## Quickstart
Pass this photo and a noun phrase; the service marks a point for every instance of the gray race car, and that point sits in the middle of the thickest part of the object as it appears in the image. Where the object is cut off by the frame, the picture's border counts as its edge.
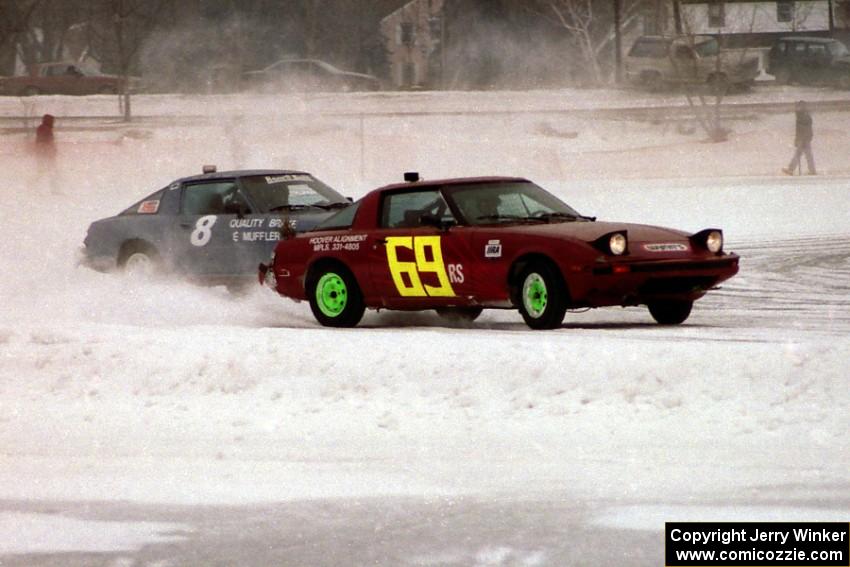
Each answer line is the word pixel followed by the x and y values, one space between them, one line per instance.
pixel 214 228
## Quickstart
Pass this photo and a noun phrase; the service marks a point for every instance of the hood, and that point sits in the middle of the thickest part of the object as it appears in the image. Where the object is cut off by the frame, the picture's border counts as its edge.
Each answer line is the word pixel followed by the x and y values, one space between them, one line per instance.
pixel 590 231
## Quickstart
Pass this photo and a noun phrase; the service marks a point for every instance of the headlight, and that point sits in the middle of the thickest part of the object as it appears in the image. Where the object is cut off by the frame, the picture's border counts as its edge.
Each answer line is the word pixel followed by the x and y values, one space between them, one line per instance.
pixel 714 241
pixel 617 243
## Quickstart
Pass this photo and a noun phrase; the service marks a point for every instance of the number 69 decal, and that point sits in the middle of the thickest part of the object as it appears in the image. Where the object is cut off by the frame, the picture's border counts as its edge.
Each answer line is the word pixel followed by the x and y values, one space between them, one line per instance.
pixel 429 259
pixel 203 230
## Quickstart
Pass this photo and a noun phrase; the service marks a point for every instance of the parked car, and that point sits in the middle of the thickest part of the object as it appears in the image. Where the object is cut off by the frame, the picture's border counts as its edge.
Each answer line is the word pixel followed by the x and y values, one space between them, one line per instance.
pixel 214 228
pixel 307 75
pixel 462 245
pixel 62 78
pixel 655 61
pixel 810 60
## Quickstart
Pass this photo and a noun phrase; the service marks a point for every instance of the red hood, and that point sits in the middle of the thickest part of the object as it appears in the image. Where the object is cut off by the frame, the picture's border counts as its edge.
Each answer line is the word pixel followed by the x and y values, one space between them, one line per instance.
pixel 590 231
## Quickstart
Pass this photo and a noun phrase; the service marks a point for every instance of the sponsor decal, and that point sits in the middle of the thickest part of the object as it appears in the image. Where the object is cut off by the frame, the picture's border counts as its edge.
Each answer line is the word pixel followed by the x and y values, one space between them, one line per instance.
pixel 148 207
pixel 666 247
pixel 493 249
pixel 272 179
pixel 337 243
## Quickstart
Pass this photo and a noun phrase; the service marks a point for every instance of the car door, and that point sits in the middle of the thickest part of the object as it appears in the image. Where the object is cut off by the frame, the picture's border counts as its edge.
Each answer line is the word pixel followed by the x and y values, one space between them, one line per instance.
pixel 414 264
pixel 202 240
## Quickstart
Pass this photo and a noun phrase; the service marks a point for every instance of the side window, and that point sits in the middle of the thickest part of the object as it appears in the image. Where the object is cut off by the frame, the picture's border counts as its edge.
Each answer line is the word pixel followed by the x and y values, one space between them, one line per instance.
pixel 784 10
pixel 684 52
pixel 817 50
pixel 799 49
pixel 405 210
pixel 216 198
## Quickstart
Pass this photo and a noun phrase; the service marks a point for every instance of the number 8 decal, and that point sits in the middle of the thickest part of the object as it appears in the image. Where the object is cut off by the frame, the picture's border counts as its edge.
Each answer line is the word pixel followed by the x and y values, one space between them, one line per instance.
pixel 203 230
pixel 423 247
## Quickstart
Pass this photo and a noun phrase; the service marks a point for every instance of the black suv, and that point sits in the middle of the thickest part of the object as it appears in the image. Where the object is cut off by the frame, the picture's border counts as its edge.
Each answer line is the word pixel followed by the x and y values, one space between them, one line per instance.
pixel 810 60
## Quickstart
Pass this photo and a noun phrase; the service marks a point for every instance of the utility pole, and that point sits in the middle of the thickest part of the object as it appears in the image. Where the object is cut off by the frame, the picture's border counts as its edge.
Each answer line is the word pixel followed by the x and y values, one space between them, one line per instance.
pixel 618 44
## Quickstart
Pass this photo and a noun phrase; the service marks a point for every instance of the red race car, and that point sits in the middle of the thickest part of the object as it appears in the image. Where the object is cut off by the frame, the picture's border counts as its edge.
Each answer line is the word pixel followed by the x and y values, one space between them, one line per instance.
pixel 462 245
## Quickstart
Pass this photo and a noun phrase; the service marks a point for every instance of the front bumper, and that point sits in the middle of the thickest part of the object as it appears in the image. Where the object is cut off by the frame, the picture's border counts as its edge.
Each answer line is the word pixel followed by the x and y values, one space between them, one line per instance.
pixel 635 283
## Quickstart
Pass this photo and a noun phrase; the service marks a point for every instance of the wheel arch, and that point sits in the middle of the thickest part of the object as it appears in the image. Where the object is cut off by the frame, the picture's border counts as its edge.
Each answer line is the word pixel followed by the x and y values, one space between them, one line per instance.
pixel 521 262
pixel 132 245
pixel 326 261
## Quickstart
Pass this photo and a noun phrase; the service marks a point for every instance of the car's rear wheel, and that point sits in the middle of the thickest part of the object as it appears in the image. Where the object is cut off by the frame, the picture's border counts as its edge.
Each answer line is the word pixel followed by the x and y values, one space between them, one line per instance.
pixel 652 81
pixel 335 297
pixel 139 261
pixel 542 296
pixel 459 314
pixel 670 312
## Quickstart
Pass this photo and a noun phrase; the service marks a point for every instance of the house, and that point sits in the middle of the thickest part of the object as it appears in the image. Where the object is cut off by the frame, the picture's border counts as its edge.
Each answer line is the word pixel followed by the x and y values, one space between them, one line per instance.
pixel 755 23
pixel 414 36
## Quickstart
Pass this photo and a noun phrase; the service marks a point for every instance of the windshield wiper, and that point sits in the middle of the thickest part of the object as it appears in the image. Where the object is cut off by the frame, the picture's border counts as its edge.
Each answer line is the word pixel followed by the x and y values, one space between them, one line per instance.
pixel 498 217
pixel 289 208
pixel 329 206
pixel 558 215
pixel 301 207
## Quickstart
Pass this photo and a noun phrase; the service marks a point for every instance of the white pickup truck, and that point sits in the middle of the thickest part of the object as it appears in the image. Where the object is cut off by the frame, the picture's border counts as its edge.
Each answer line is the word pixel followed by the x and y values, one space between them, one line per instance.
pixel 654 61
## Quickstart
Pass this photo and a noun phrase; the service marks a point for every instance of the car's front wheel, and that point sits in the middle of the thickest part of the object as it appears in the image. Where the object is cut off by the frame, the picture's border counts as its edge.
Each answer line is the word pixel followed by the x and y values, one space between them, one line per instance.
pixel 670 312
pixel 542 296
pixel 335 297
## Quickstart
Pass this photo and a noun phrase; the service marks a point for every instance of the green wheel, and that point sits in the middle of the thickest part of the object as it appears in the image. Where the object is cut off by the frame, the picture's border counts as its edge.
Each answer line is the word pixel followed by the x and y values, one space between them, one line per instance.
pixel 335 298
pixel 542 296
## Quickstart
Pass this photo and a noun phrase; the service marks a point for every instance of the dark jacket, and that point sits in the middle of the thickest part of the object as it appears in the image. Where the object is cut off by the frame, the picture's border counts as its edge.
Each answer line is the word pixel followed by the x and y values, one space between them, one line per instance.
pixel 45 144
pixel 804 132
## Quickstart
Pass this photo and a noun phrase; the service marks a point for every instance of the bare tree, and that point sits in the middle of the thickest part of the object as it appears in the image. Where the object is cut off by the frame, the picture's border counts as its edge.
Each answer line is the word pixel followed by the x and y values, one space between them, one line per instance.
pixel 118 29
pixel 591 25
pixel 706 98
pixel 15 18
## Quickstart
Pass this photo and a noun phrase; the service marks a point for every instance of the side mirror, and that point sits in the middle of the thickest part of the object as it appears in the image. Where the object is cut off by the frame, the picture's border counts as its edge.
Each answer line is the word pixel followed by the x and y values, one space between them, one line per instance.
pixel 429 219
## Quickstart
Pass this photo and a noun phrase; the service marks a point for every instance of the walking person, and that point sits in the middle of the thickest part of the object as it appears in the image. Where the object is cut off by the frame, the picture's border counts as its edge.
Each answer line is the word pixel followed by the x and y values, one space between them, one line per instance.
pixel 802 140
pixel 45 153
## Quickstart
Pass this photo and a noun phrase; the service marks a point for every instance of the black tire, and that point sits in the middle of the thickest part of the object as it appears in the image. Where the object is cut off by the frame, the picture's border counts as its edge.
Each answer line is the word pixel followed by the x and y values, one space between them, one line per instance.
pixel 670 312
pixel 460 314
pixel 542 295
pixel 653 82
pixel 335 298
pixel 139 260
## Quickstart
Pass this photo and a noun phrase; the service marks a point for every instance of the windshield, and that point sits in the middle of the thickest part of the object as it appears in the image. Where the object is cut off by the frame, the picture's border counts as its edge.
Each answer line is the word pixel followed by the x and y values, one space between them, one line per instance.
pixel 276 192
pixel 509 201
pixel 707 48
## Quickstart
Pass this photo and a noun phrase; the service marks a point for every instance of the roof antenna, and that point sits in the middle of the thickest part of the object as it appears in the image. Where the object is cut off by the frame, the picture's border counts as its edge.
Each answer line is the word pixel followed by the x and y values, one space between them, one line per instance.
pixel 411 176
pixel 209 169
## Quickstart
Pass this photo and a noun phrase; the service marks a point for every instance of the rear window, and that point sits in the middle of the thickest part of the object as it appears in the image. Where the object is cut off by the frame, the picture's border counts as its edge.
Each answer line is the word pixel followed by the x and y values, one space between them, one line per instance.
pixel 653 48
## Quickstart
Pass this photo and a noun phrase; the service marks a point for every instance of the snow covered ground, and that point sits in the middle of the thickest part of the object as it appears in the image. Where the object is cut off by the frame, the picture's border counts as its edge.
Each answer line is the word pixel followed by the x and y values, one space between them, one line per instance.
pixel 162 394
